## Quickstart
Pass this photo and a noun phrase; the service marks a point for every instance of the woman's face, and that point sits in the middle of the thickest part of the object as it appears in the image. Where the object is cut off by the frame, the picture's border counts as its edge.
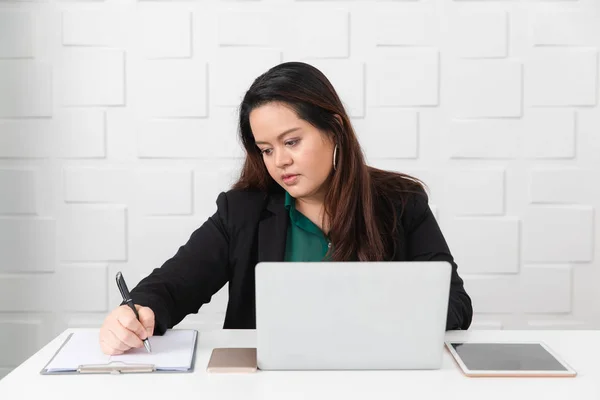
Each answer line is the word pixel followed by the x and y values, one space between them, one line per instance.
pixel 297 155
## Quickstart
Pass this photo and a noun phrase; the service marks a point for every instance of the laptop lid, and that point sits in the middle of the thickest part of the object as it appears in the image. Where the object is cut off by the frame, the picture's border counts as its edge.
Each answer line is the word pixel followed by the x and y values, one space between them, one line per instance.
pixel 351 315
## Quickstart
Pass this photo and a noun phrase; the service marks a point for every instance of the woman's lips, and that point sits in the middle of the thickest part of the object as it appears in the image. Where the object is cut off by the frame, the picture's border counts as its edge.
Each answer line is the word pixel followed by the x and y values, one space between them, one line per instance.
pixel 289 179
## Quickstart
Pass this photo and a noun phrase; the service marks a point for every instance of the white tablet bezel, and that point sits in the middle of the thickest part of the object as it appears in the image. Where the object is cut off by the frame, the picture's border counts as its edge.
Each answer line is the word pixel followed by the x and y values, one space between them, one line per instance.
pixel 570 372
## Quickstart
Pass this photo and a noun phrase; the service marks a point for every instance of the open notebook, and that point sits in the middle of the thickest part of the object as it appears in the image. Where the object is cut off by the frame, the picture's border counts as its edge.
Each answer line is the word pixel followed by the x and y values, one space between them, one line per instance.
pixel 173 352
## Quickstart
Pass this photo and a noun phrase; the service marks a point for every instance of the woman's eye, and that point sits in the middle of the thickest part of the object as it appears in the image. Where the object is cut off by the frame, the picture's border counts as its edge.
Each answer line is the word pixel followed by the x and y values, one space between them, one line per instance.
pixel 289 143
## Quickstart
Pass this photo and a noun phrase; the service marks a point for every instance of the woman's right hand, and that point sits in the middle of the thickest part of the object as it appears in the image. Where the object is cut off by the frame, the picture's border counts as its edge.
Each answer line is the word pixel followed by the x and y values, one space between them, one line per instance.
pixel 122 331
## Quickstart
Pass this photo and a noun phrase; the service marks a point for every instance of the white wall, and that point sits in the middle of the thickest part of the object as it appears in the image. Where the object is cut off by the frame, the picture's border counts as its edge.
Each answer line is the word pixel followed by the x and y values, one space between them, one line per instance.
pixel 118 130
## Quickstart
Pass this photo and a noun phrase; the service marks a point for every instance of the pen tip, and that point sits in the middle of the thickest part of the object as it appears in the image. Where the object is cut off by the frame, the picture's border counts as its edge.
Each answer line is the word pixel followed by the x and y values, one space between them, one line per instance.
pixel 147 346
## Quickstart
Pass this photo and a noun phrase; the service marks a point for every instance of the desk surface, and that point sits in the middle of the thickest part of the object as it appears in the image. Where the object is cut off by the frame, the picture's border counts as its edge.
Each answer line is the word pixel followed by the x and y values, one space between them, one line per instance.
pixel 580 349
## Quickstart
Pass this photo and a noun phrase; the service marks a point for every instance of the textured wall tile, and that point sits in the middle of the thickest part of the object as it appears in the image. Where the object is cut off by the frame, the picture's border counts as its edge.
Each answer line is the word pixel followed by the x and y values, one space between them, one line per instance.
pixel 172 139
pixel 558 234
pixel 493 294
pixel 348 80
pixel 93 233
pixel 246 28
pixel 27 334
pixel 165 192
pixel 323 34
pixel 563 27
pixel 92 321
pixel 559 324
pixel 18 191
pixel 405 28
pixel 185 138
pixel 433 178
pixel 205 322
pixel 404 77
pixel 562 185
pixel 27 293
pixel 486 325
pixel 388 133
pixel 540 133
pixel 16 34
pixel 489 88
pixel 27 245
pixel 121 128
pixel 71 133
pixel 86 283
pixel 546 288
pixel 91 77
pixel 164 33
pixel 485 245
pixel 588 126
pixel 26 87
pixel 80 133
pixel 484 139
pixel 561 77
pixel 23 138
pixel 172 88
pixel 225 141
pixel 95 185
pixel 548 133
pixel 214 177
pixel 155 240
pixel 89 28
pixel 476 191
pixel 229 83
pixel 479 34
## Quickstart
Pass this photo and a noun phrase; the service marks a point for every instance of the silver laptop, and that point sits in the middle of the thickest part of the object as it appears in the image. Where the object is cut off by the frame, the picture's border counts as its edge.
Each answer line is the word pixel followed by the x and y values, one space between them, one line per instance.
pixel 351 315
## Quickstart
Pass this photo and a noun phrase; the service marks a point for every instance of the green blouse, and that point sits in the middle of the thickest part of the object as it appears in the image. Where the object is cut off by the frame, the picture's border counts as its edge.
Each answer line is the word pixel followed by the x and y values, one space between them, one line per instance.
pixel 305 240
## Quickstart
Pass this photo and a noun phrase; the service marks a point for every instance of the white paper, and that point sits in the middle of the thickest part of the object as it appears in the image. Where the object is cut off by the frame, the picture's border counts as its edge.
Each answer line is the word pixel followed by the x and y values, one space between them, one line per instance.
pixel 173 351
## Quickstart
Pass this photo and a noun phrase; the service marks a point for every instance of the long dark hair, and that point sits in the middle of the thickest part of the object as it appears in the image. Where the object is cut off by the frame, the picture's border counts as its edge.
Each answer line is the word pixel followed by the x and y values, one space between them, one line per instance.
pixel 361 201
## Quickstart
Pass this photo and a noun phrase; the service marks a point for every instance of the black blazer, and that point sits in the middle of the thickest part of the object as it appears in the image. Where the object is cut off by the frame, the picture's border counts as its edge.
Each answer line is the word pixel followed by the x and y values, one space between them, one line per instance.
pixel 249 227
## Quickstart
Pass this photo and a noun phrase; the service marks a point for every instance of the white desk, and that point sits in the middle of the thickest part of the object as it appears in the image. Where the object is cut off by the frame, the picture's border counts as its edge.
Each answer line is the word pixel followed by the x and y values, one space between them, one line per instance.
pixel 581 349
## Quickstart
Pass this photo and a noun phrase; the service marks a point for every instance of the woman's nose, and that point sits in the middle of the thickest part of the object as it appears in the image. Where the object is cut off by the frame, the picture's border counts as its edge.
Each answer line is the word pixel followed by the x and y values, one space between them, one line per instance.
pixel 282 158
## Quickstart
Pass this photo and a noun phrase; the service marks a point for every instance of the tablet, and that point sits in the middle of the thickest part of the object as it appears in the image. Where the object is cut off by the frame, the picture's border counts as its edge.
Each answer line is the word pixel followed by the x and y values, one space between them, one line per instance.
pixel 513 359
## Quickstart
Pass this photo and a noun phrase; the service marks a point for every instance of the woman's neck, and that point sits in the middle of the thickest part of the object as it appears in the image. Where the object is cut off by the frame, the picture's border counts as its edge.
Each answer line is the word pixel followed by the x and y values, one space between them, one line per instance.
pixel 313 210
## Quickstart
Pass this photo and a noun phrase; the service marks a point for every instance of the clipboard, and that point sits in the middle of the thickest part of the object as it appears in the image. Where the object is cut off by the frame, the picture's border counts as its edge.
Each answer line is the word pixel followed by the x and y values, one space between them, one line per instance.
pixel 116 367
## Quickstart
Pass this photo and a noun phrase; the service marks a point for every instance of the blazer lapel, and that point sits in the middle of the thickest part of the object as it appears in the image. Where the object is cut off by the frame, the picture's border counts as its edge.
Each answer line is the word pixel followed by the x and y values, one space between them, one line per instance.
pixel 272 230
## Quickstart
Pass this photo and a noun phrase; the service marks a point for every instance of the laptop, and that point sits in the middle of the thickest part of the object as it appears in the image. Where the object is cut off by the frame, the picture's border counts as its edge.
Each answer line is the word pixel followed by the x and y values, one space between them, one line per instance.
pixel 351 315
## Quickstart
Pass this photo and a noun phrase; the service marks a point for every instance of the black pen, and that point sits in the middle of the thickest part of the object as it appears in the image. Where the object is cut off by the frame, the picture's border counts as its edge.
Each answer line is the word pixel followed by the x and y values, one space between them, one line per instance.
pixel 127 299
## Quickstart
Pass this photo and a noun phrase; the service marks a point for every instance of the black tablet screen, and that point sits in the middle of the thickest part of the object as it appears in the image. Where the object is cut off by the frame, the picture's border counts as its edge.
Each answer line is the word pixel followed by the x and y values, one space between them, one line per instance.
pixel 507 357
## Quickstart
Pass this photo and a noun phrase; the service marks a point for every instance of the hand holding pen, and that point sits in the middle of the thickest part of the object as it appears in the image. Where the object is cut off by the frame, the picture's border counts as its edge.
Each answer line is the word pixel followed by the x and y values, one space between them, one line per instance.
pixel 127 326
pixel 128 301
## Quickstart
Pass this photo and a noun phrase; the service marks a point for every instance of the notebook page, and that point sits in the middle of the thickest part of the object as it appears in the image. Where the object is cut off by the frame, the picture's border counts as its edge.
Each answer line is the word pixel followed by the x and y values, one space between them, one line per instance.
pixel 172 351
pixel 82 348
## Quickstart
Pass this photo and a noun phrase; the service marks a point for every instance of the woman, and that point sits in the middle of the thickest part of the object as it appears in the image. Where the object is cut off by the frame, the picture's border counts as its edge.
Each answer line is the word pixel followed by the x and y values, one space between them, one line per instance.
pixel 304 194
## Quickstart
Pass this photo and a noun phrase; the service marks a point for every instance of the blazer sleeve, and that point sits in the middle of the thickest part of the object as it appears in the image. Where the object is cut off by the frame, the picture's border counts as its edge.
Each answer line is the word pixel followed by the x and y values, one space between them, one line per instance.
pixel 192 276
pixel 425 242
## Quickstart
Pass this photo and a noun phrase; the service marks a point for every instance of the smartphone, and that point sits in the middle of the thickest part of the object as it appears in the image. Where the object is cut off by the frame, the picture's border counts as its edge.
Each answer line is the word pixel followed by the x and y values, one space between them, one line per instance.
pixel 231 360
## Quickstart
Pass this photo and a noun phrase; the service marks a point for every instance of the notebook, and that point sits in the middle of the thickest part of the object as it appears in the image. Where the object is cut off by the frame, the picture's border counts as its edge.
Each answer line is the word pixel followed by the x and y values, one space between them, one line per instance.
pixel 80 353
